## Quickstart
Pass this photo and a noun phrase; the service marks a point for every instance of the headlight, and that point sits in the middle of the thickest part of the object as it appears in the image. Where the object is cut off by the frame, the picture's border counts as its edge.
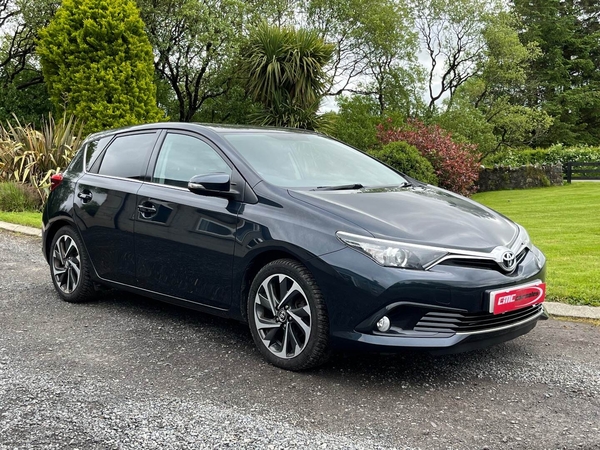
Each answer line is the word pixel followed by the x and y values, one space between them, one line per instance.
pixel 393 253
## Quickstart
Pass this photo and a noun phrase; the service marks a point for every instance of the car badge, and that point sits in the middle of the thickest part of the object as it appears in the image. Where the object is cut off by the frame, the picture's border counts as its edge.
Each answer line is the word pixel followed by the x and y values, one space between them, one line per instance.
pixel 508 261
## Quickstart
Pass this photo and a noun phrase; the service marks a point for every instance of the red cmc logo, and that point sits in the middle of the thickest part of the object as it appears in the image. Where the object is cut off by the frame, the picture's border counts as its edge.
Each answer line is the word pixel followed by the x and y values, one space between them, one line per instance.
pixel 507 299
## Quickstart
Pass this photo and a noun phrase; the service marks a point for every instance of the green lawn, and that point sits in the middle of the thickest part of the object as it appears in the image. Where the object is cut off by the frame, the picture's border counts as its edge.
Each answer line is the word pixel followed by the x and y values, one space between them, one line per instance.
pixel 564 222
pixel 30 219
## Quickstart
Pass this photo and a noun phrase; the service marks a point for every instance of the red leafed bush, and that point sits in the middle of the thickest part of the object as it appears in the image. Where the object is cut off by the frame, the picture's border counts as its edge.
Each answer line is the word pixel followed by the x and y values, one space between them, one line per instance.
pixel 456 164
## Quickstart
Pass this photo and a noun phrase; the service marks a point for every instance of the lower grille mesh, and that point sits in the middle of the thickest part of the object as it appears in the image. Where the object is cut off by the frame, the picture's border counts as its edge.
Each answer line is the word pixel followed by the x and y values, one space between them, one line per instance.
pixel 445 322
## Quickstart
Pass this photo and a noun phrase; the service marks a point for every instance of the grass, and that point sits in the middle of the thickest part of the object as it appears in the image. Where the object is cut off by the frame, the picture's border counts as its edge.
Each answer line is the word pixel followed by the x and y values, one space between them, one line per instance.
pixel 564 223
pixel 594 322
pixel 27 218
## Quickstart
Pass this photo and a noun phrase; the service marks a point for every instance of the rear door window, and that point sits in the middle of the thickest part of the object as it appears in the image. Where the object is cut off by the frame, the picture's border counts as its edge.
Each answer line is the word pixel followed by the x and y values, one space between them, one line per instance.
pixel 127 156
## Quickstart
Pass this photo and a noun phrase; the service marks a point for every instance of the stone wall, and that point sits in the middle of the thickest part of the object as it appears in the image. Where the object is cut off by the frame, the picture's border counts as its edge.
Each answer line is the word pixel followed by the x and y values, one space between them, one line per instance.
pixel 531 176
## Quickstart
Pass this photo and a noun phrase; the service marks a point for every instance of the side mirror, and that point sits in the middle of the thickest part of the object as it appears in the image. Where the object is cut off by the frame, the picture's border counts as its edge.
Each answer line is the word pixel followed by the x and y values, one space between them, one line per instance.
pixel 216 184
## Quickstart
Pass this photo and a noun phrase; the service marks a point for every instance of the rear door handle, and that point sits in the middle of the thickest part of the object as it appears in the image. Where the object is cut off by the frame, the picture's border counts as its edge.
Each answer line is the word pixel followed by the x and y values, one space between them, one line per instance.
pixel 85 196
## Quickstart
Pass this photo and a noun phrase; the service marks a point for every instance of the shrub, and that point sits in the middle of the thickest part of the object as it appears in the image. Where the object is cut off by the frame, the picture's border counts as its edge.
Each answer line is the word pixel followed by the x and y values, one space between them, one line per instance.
pixel 406 159
pixel 18 197
pixel 553 155
pixel 31 157
pixel 456 164
pixel 356 122
pixel 98 64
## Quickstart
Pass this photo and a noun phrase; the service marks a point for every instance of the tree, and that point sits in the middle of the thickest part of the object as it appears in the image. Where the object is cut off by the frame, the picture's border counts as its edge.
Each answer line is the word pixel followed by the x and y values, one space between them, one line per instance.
pixel 451 34
pixel 375 50
pixel 22 91
pixel 286 74
pixel 196 46
pixel 356 121
pixel 97 63
pixel 486 109
pixel 565 79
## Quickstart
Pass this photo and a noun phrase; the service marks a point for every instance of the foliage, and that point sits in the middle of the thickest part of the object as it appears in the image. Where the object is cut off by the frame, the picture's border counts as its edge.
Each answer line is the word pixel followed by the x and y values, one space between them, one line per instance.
pixel 286 74
pixel 452 39
pixel 196 45
pixel 32 157
pixel 565 79
pixel 356 121
pixel 22 91
pixel 553 155
pixel 406 159
pixel 17 197
pixel 98 64
pixel 235 107
pixel 556 219
pixel 468 124
pixel 484 109
pixel 28 104
pixel 376 49
pixel 456 164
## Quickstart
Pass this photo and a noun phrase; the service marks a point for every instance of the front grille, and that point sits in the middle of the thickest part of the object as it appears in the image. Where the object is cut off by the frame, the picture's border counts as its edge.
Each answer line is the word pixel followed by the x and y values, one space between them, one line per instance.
pixel 482 263
pixel 446 322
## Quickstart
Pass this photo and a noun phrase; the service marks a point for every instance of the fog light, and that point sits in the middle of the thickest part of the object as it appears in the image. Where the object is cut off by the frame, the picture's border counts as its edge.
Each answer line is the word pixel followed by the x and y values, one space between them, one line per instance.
pixel 383 324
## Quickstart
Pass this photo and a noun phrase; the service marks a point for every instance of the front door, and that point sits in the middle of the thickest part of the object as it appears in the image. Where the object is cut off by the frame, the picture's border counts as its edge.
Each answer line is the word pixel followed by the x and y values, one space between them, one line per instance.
pixel 184 241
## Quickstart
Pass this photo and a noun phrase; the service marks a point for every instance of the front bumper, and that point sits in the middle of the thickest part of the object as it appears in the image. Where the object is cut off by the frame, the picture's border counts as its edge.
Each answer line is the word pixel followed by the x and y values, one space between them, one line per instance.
pixel 444 342
pixel 444 310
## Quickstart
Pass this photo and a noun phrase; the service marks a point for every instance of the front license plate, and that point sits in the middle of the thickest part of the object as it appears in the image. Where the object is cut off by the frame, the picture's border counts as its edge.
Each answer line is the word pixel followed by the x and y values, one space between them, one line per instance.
pixel 517 297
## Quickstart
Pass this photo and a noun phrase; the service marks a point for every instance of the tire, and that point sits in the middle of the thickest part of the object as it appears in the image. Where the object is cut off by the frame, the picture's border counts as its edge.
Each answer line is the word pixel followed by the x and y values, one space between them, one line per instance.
pixel 287 316
pixel 70 267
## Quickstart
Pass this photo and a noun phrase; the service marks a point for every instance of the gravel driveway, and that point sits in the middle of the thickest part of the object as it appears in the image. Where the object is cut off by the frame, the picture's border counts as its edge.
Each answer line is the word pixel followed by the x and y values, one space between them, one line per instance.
pixel 126 372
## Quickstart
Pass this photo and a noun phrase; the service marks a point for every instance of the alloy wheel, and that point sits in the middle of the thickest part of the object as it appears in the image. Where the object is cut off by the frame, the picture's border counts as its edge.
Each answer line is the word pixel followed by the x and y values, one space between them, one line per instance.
pixel 66 264
pixel 282 316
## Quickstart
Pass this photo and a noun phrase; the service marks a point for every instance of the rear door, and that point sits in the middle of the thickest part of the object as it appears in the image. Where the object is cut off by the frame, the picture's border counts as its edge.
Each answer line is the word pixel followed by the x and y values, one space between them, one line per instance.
pixel 185 241
pixel 105 201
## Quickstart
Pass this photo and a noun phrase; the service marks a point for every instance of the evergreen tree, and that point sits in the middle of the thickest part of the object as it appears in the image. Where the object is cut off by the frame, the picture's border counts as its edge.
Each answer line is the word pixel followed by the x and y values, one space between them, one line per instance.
pixel 98 63
pixel 565 79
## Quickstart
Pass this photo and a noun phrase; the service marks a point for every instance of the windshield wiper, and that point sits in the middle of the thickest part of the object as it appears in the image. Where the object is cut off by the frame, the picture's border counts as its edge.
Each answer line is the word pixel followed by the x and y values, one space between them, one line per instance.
pixel 342 187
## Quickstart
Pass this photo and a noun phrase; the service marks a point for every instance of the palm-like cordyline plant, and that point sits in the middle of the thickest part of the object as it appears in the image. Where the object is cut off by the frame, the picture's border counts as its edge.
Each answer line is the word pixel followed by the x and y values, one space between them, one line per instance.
pixel 31 157
pixel 286 74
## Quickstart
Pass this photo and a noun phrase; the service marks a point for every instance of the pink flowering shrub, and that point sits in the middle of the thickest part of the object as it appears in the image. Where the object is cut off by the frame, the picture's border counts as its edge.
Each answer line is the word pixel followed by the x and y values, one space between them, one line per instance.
pixel 456 164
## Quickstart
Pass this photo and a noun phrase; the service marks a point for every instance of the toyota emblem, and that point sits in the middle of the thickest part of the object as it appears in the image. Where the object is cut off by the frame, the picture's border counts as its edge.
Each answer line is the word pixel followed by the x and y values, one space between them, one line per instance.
pixel 508 261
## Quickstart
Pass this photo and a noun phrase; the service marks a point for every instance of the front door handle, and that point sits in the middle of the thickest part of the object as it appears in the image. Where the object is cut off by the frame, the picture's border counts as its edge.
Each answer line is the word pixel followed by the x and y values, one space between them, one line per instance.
pixel 85 196
pixel 147 210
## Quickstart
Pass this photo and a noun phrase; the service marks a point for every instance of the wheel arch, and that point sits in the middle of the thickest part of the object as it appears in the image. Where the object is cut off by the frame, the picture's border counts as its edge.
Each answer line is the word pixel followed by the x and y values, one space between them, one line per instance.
pixel 51 231
pixel 257 262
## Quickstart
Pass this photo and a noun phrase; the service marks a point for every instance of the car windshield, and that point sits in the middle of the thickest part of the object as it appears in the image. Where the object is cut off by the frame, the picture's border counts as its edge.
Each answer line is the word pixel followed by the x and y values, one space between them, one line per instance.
pixel 297 160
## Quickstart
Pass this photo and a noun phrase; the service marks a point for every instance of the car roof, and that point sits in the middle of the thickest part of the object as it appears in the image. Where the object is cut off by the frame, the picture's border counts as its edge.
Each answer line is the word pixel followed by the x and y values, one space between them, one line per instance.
pixel 219 129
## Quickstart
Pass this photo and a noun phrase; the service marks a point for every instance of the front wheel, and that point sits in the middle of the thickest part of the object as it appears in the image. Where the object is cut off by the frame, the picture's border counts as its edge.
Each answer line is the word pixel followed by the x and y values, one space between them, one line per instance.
pixel 69 267
pixel 287 316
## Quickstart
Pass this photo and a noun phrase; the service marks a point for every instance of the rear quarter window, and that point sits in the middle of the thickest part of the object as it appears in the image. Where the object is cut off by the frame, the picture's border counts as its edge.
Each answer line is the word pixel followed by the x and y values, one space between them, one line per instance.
pixel 76 164
pixel 94 149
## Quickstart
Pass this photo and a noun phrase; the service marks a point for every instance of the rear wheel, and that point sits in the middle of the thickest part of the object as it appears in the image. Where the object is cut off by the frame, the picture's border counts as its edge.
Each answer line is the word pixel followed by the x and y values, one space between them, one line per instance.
pixel 287 316
pixel 69 267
